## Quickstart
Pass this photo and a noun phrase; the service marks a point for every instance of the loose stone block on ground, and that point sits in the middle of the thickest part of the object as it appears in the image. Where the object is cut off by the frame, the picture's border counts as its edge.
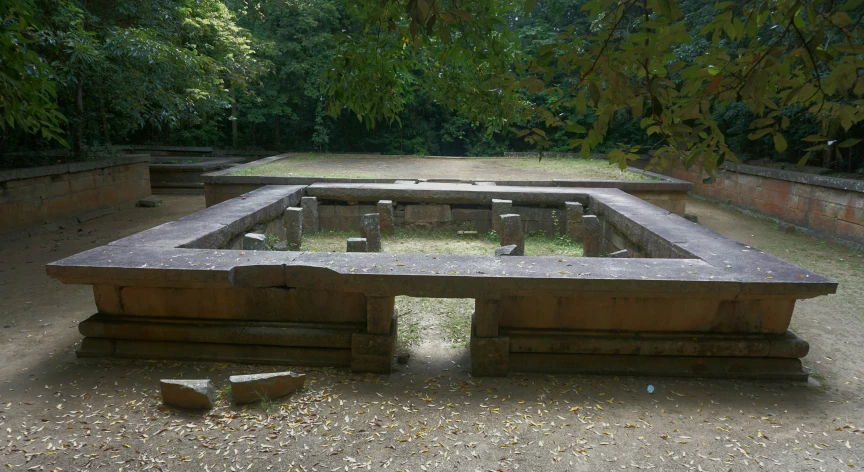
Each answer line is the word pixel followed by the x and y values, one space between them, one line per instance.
pixel 192 394
pixel 255 387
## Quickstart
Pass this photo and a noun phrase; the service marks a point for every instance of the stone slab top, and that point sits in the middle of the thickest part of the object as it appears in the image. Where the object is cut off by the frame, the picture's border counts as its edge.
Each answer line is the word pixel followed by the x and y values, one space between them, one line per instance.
pixel 203 164
pixel 799 177
pixel 445 193
pixel 72 167
pixel 182 254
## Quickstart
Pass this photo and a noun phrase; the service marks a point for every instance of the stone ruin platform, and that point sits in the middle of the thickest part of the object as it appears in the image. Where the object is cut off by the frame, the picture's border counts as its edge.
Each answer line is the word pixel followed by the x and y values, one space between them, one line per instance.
pixel 693 303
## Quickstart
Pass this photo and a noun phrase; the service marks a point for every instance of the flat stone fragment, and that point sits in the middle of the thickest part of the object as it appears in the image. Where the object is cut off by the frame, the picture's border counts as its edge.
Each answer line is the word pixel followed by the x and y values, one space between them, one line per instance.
pixel 356 245
pixel 149 202
pixel 500 207
pixel 386 216
pixel 310 214
pixel 405 182
pixel 254 387
pixel 370 228
pixel 294 227
pixel 254 242
pixel 622 254
pixel 486 184
pixel 591 235
pixel 506 250
pixel 193 394
pixel 574 211
pixel 512 233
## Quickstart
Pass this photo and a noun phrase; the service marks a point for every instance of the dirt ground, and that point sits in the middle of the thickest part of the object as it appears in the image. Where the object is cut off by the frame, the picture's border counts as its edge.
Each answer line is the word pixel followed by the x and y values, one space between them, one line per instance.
pixel 405 167
pixel 61 413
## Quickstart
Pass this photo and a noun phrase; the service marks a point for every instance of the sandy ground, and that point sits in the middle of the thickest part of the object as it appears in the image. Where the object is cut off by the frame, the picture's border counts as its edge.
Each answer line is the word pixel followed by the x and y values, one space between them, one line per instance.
pixel 60 413
pixel 395 167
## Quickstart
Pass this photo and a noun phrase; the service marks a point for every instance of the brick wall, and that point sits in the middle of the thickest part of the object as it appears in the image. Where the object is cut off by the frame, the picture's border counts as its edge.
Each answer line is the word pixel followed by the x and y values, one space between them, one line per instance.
pixel 829 206
pixel 40 199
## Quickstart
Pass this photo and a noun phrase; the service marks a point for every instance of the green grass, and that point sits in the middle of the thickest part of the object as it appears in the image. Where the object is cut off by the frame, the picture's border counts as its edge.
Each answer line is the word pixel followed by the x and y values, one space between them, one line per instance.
pixel 586 169
pixel 443 242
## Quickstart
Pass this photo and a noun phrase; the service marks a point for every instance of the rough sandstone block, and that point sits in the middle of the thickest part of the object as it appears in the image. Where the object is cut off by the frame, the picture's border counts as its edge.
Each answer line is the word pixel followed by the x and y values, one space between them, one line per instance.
pixel 506 250
pixel 310 214
pixel 512 233
pixel 294 227
pixel 193 394
pixel 490 357
pixel 487 316
pixel 500 207
pixel 591 230
pixel 379 312
pixel 470 214
pixel 427 213
pixel 573 214
pixel 251 388
pixel 356 245
pixel 374 352
pixel 370 228
pixel 386 216
pixel 254 242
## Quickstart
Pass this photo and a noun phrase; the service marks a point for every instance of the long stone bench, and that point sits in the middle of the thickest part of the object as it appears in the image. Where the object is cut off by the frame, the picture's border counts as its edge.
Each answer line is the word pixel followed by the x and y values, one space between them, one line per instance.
pixel 698 304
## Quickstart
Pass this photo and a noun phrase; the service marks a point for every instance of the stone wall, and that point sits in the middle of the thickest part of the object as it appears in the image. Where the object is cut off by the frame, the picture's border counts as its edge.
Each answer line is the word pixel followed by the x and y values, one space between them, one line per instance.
pixel 829 206
pixel 40 199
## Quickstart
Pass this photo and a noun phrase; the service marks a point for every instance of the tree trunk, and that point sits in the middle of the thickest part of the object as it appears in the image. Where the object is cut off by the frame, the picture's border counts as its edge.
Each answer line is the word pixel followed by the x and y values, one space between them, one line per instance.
pixel 78 140
pixel 277 133
pixel 105 128
pixel 234 138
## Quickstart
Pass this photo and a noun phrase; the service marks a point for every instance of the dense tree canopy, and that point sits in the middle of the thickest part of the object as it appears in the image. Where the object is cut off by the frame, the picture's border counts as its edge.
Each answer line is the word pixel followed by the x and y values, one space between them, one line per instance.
pixel 684 80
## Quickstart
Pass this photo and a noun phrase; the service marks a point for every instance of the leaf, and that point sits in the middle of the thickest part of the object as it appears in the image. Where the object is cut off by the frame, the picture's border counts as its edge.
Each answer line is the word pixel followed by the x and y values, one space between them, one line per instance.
pixel 539 131
pixel 779 142
pixel 715 82
pixel 849 143
pixel 529 5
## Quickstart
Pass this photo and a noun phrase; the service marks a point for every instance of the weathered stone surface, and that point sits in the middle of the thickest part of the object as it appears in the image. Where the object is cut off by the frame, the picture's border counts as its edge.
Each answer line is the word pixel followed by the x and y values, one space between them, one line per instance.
pixel 427 213
pixel 149 202
pixel 386 215
pixel 370 228
pixel 591 231
pixel 310 214
pixel 574 211
pixel 512 234
pixel 374 353
pixel 294 218
pixel 379 313
pixel 622 254
pixel 500 207
pixel 470 214
pixel 254 242
pixel 510 250
pixel 193 394
pixel 490 357
pixel 487 316
pixel 357 245
pixel 486 184
pixel 254 387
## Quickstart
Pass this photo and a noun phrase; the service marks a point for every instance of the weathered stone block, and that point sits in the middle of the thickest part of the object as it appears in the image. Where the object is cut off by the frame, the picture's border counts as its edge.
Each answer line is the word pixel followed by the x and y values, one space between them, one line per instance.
pixel 254 242
pixel 487 315
pixel 370 228
pixel 294 227
pixel 386 216
pixel 512 233
pixel 500 207
pixel 573 215
pixel 254 387
pixel 427 213
pixel 379 312
pixel 310 214
pixel 591 232
pixel 356 245
pixel 374 352
pixel 507 250
pixel 490 357
pixel 470 214
pixel 193 394
pixel 149 202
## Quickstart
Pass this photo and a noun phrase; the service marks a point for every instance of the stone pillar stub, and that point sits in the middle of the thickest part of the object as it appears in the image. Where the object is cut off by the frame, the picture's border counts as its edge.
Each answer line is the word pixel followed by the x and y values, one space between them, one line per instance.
pixel 500 207
pixel 591 230
pixel 512 233
pixel 574 211
pixel 487 315
pixel 374 352
pixel 379 312
pixel 310 214
pixel 254 242
pixel 293 228
pixel 386 216
pixel 356 245
pixel 370 228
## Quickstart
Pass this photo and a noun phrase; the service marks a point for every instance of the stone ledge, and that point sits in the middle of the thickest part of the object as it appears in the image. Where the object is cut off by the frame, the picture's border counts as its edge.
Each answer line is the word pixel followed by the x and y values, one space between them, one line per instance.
pixel 71 168
pixel 798 177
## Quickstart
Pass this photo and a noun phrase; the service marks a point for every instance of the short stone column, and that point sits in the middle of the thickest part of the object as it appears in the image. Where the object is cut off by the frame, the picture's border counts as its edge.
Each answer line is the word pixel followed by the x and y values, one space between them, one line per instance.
pixel 573 213
pixel 254 242
pixel 370 228
pixel 310 214
pixel 293 228
pixel 356 245
pixel 373 350
pixel 512 233
pixel 386 216
pixel 591 235
pixel 490 352
pixel 500 207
